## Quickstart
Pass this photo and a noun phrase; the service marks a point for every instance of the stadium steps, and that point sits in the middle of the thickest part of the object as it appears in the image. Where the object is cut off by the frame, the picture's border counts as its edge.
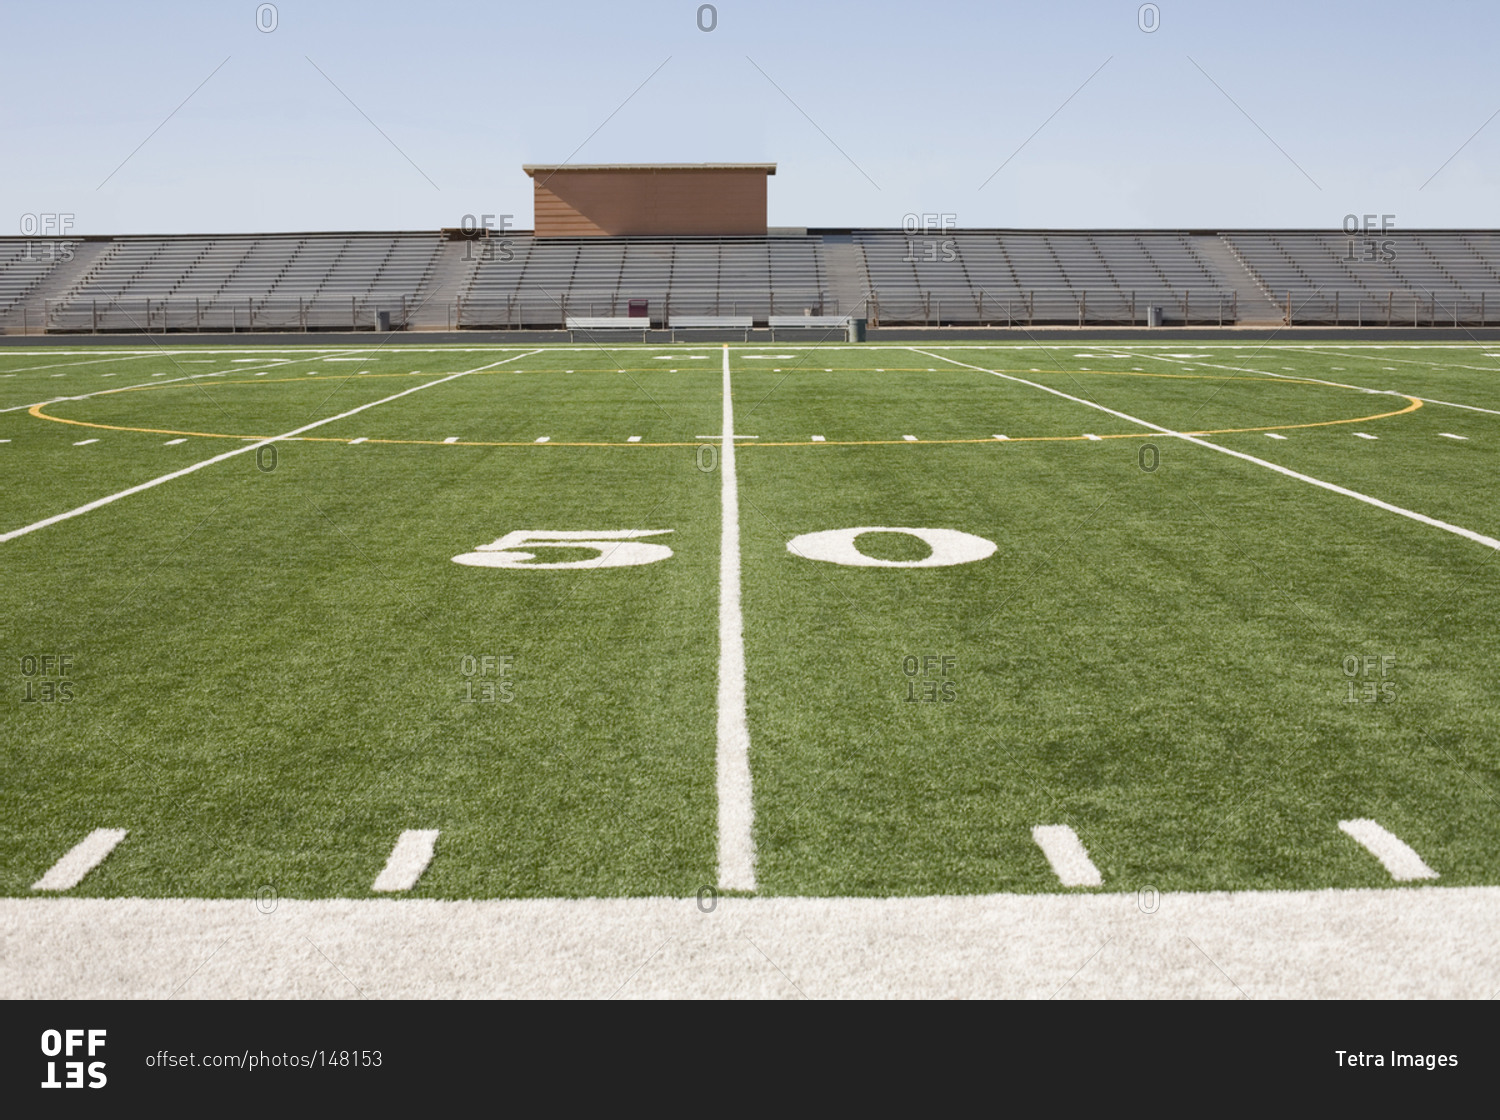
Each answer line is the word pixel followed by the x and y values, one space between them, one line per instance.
pixel 847 277
pixel 1256 307
pixel 452 273
pixel 65 276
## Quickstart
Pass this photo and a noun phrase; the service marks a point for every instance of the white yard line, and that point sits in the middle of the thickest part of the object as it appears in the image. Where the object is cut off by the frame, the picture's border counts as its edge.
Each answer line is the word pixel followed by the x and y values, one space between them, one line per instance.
pixel 102 392
pixel 1458 530
pixel 408 859
pixel 1325 381
pixel 82 858
pixel 1067 855
pixel 143 384
pixel 91 362
pixel 98 502
pixel 1400 860
pixel 736 804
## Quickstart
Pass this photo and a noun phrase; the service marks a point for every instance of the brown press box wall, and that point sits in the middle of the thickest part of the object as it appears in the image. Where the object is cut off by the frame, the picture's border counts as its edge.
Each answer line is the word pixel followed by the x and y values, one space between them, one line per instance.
pixel 661 200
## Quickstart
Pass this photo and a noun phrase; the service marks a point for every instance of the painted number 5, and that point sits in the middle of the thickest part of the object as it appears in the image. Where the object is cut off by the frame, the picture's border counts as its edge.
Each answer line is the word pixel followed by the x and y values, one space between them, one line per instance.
pixel 617 548
pixel 837 546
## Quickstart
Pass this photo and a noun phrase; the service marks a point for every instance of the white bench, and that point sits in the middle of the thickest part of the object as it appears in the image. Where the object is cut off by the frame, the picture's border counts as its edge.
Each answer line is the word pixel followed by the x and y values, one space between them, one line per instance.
pixel 608 323
pixel 712 322
pixel 808 322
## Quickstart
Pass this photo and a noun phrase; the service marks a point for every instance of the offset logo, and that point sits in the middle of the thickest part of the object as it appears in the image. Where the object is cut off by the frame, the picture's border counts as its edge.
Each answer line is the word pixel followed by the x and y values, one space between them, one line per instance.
pixel 67 1043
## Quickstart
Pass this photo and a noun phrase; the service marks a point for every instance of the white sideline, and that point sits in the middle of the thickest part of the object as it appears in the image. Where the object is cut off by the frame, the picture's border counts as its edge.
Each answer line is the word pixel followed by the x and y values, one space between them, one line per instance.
pixel 1393 942
pixel 55 518
pixel 1468 534
pixel 408 859
pixel 736 803
pixel 1398 856
pixel 1067 855
pixel 82 858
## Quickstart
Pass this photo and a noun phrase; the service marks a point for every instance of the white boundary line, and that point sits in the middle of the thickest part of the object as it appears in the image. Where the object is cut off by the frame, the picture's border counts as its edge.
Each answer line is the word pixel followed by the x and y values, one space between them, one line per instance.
pixel 1385 942
pixel 736 802
pixel 1467 534
pixel 98 502
pixel 80 859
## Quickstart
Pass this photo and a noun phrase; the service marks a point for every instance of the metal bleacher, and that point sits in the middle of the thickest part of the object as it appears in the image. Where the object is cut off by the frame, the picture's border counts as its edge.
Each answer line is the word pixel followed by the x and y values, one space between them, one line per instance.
pixel 1391 278
pixel 541 282
pixel 23 265
pixel 1014 277
pixel 999 278
pixel 249 282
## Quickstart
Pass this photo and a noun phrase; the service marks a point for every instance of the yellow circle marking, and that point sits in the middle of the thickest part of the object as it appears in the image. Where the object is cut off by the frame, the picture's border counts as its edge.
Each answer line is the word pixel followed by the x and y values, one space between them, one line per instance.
pixel 1415 403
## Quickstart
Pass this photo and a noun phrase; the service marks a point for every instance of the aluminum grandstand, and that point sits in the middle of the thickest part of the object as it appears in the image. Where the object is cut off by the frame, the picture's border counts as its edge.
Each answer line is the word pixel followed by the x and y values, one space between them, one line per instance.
pixel 998 278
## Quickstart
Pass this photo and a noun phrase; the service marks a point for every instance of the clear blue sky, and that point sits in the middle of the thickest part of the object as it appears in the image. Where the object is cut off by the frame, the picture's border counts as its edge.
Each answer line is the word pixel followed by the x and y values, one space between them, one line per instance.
pixel 887 109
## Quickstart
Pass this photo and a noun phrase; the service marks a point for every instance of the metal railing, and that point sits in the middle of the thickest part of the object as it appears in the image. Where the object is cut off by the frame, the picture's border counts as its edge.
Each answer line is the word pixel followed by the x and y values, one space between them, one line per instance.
pixel 1051 307
pixel 541 309
pixel 1392 308
pixel 153 315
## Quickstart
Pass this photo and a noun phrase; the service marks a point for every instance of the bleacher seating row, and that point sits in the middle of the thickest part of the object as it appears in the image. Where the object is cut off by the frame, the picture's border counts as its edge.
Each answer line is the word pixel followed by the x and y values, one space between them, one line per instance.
pixel 1403 278
pixel 1010 277
pixel 540 282
pixel 23 264
pixel 321 281
pixel 282 282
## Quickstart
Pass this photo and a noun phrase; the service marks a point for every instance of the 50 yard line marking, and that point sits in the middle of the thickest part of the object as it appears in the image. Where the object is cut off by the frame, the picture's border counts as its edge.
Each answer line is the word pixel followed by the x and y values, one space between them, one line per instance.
pixel 736 805
pixel 98 502
pixel 1458 530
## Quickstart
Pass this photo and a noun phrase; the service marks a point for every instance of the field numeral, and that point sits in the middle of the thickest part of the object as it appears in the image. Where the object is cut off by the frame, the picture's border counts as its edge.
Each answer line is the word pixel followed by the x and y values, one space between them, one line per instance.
pixel 837 546
pixel 617 548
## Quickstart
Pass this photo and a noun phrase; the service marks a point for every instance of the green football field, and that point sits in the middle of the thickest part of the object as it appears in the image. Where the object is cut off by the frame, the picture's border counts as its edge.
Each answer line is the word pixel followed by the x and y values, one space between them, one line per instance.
pixel 1069 650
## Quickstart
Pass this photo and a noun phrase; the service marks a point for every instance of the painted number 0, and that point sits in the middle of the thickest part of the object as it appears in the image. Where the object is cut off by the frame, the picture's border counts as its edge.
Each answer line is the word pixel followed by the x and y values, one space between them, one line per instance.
pixel 838 546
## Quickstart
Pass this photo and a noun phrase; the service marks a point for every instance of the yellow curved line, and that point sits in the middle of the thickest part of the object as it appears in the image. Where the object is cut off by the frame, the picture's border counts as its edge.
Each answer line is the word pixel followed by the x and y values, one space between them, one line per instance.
pixel 36 411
